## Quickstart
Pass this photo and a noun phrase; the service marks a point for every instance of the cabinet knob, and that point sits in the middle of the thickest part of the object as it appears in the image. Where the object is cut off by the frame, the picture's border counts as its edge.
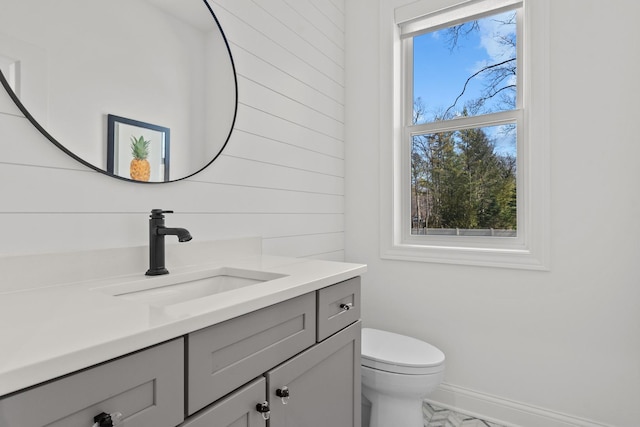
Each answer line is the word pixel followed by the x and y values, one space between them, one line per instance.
pixel 346 307
pixel 107 420
pixel 264 410
pixel 283 393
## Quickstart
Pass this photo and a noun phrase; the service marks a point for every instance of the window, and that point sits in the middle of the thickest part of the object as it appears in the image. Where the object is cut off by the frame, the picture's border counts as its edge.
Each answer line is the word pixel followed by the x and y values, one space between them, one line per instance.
pixel 10 68
pixel 470 149
pixel 463 172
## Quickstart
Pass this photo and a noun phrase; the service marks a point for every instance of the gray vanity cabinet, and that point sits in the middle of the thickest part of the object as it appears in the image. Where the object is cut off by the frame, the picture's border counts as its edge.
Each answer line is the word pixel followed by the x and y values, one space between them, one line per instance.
pixel 308 347
pixel 323 384
pixel 217 376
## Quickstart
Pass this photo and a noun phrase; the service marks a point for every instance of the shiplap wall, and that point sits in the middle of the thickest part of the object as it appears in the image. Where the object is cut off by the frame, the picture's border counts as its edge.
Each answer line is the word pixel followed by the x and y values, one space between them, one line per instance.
pixel 281 176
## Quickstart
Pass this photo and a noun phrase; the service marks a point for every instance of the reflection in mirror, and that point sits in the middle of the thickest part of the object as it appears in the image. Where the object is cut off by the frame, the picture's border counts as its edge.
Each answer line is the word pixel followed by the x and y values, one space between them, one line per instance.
pixel 162 67
pixel 143 158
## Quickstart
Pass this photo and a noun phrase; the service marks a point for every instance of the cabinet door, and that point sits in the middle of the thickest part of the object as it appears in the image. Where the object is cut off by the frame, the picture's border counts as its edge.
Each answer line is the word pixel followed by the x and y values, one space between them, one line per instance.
pixel 323 384
pixel 236 410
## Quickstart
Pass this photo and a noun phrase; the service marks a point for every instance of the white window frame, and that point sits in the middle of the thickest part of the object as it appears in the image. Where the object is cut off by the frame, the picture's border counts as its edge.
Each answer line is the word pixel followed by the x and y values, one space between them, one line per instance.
pixel 530 249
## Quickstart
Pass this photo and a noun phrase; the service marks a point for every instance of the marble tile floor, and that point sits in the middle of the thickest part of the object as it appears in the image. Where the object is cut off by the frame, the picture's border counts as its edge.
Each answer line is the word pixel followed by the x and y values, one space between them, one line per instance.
pixel 441 417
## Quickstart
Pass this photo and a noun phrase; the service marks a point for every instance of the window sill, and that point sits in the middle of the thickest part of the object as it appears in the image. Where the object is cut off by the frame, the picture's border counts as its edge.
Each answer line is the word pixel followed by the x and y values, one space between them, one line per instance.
pixel 517 258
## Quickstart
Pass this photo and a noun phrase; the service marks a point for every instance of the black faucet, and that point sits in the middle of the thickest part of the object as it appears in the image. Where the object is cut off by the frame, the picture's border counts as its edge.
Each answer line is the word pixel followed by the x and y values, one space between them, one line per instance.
pixel 157 231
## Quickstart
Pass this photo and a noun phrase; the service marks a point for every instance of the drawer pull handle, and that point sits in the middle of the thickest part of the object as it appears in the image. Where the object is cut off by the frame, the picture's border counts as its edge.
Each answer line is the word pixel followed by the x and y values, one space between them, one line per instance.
pixel 283 393
pixel 347 306
pixel 107 420
pixel 264 410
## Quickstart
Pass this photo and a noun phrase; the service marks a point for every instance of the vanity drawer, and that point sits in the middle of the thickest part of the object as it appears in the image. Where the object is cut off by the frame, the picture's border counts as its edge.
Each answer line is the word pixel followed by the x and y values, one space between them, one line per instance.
pixel 222 357
pixel 146 387
pixel 338 307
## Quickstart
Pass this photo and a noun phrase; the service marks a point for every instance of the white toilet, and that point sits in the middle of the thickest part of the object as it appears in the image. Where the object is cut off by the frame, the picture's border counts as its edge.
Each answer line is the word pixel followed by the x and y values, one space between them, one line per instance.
pixel 397 373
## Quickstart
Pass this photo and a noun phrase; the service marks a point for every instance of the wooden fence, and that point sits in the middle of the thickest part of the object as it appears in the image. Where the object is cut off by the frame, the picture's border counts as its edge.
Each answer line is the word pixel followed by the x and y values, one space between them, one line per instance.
pixel 463 232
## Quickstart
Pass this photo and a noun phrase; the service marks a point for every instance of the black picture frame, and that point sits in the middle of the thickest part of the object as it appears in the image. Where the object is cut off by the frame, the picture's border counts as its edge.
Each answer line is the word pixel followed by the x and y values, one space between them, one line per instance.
pixel 120 130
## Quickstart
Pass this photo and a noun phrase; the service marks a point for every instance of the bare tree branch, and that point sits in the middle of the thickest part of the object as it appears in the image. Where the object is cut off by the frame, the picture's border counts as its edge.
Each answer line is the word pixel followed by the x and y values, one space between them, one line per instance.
pixel 500 90
pixel 482 70
pixel 497 78
pixel 462 30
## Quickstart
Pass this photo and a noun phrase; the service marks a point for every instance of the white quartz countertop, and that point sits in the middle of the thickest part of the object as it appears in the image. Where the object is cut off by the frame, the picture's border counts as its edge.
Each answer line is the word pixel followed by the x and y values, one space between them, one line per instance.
pixel 55 330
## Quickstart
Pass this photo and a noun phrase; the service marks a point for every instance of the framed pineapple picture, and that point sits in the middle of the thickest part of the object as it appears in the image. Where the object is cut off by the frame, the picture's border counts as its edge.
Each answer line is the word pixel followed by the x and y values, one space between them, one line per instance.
pixel 137 150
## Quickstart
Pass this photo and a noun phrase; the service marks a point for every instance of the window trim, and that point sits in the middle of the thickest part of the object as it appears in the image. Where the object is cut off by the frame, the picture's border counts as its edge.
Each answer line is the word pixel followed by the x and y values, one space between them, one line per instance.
pixel 530 250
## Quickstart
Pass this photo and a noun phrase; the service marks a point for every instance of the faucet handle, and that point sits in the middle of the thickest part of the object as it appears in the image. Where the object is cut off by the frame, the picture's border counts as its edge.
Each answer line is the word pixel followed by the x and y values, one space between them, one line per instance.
pixel 158 213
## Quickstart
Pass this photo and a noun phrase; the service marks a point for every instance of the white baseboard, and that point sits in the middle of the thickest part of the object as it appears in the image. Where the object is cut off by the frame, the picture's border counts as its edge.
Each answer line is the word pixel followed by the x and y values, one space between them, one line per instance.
pixel 502 411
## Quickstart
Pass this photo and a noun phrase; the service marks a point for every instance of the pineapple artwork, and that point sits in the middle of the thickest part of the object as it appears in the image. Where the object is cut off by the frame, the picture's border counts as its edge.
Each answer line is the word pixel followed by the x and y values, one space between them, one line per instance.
pixel 140 170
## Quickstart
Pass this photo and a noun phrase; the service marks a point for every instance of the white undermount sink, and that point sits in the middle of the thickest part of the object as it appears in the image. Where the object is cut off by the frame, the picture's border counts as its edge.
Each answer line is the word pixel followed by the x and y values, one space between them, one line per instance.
pixel 162 291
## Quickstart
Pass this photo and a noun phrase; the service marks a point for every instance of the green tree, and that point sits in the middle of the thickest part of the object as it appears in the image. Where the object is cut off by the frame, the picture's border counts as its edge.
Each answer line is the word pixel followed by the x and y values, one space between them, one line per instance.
pixel 491 182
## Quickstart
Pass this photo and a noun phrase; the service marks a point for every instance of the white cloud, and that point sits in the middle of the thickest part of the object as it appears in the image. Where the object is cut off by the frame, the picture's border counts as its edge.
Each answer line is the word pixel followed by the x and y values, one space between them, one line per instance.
pixel 492 29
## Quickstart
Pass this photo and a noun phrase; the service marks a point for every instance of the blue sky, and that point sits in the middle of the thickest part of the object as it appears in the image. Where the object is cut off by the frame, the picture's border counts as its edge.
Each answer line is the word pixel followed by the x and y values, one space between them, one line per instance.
pixel 440 73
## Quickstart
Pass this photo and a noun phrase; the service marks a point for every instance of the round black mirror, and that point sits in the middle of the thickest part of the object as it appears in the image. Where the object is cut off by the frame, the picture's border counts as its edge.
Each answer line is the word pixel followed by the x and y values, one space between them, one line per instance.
pixel 142 90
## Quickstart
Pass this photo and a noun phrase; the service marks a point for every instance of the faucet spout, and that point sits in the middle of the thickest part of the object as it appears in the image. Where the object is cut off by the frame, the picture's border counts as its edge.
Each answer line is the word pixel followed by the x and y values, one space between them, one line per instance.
pixel 182 233
pixel 157 231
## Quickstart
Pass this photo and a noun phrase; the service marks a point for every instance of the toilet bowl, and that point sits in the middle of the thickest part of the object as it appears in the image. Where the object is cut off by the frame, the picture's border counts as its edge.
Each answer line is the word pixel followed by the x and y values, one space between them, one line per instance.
pixel 397 373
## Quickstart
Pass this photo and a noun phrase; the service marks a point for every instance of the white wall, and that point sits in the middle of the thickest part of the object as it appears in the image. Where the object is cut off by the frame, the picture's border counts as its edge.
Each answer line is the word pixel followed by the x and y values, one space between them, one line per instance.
pixel 281 176
pixel 530 348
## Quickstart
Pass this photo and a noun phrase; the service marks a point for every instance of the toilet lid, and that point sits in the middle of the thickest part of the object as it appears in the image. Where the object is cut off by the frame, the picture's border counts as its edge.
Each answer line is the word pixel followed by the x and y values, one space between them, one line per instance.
pixel 391 352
